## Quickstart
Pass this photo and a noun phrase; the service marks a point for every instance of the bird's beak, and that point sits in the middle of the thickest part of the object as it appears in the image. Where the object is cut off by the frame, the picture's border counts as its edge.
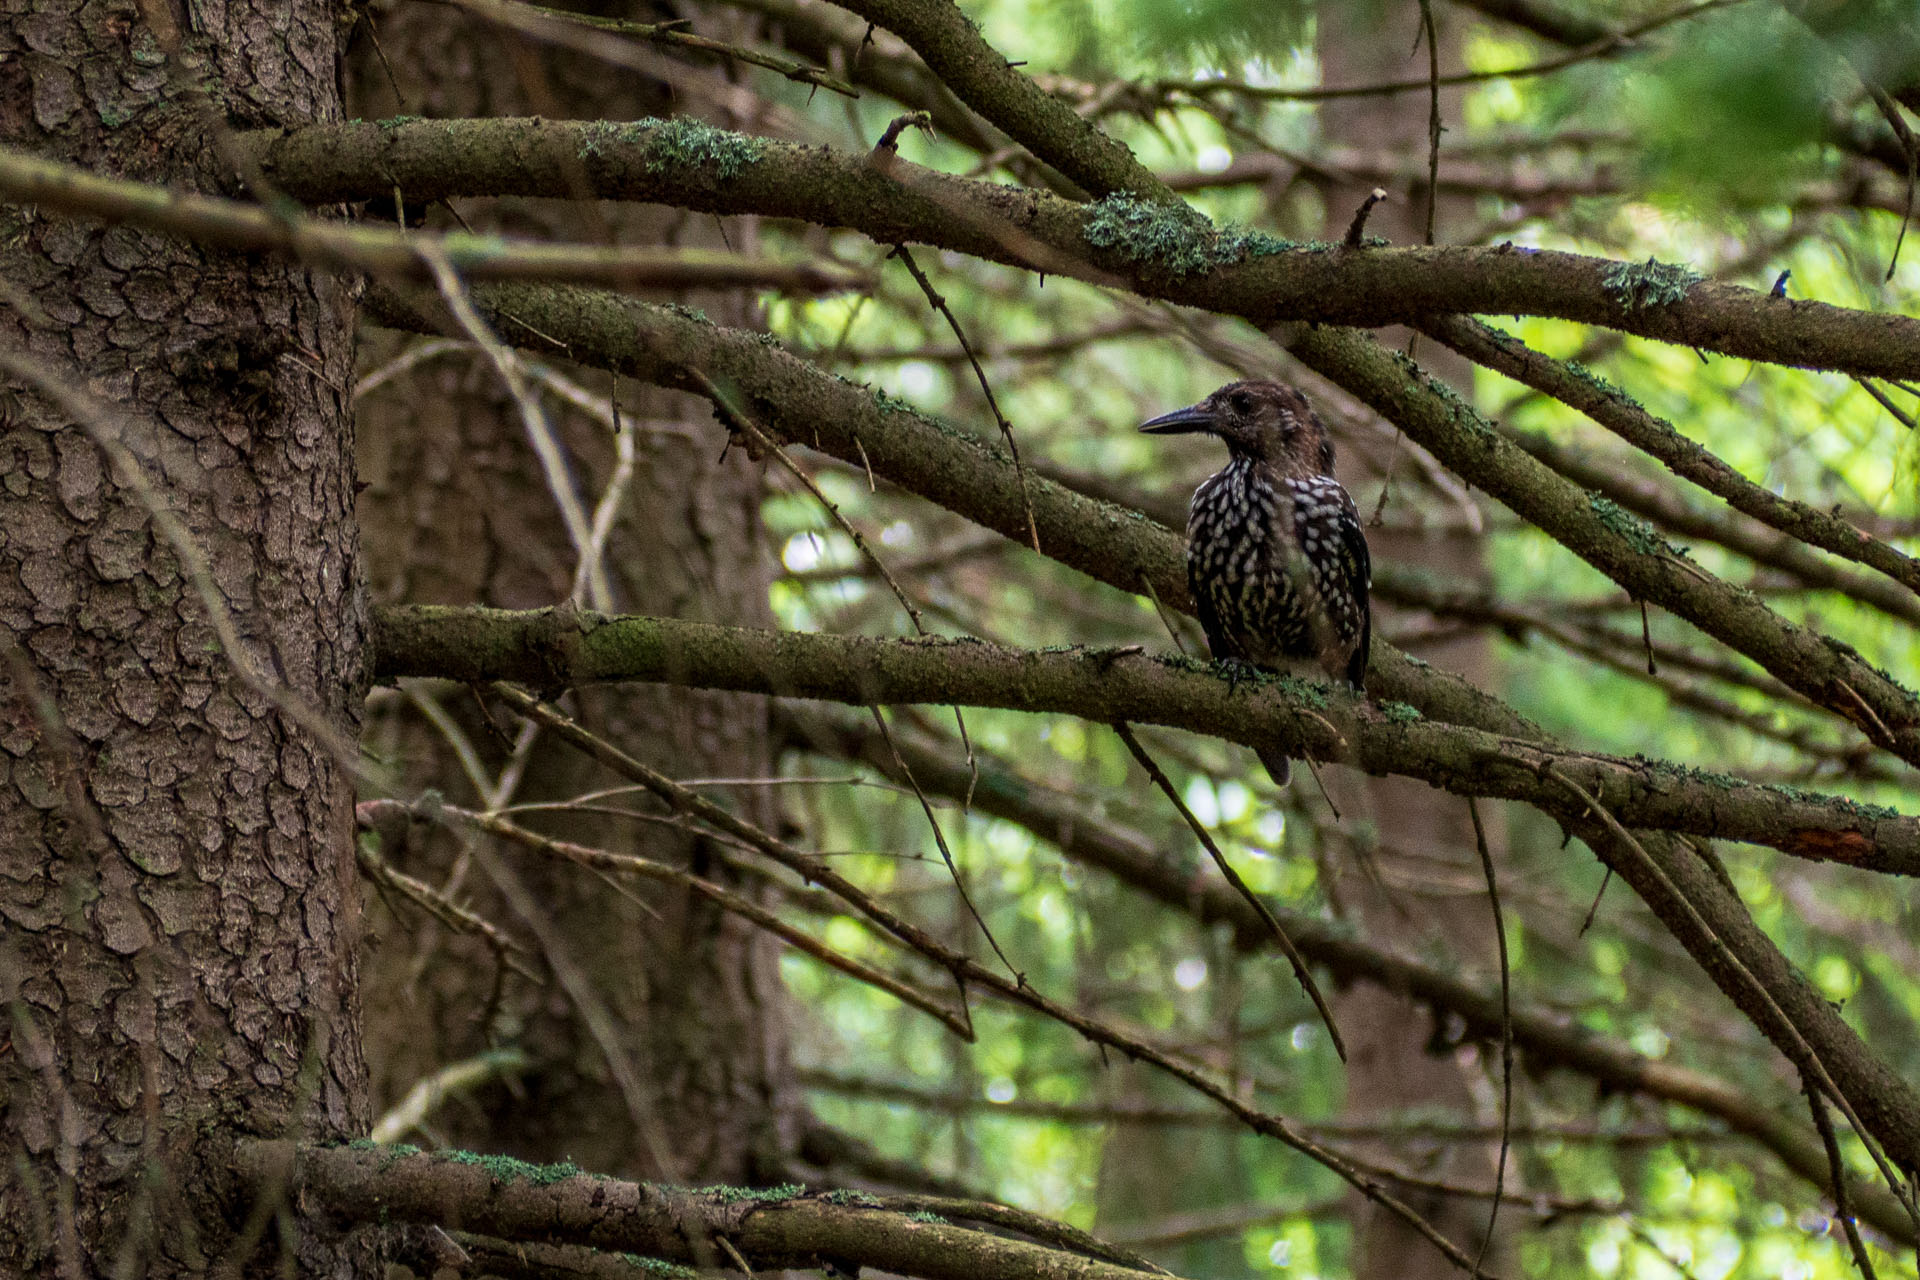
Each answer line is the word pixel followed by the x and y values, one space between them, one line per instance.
pixel 1195 417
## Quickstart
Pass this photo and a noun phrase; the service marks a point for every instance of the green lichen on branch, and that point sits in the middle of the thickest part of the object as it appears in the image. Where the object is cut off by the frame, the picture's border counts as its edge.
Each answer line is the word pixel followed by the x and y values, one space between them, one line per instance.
pixel 845 1196
pixel 1399 712
pixel 927 1215
pixel 1581 373
pixel 1640 535
pixel 1173 237
pixel 659 1267
pixel 508 1169
pixel 765 1195
pixel 1458 410
pixel 1652 283
pixel 678 142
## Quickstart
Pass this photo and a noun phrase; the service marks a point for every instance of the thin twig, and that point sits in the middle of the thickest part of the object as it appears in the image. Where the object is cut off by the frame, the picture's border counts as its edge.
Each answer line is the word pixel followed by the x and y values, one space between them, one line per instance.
pixel 939 303
pixel 727 900
pixel 427 1093
pixel 1506 1028
pixel 764 442
pixel 1900 415
pixel 592 566
pixel 1842 1210
pixel 1909 145
pixel 1593 910
pixel 562 27
pixel 436 904
pixel 940 839
pixel 1166 619
pixel 1357 228
pixel 1433 119
pixel 546 445
pixel 1298 961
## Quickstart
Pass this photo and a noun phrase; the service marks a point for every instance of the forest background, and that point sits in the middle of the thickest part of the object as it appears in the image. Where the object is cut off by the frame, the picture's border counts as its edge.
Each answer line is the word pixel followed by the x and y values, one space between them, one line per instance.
pixel 910 953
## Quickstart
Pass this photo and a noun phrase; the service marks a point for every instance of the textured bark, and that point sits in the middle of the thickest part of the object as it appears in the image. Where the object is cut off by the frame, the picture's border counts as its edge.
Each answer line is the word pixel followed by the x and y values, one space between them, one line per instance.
pixel 178 912
pixel 458 511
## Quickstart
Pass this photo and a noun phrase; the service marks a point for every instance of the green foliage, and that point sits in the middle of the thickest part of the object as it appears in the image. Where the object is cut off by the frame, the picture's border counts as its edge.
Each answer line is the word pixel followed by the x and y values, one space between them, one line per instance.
pixel 1732 111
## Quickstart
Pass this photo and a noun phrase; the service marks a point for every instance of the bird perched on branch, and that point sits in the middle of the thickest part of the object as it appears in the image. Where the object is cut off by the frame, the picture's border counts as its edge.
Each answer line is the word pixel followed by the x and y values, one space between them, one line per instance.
pixel 1276 559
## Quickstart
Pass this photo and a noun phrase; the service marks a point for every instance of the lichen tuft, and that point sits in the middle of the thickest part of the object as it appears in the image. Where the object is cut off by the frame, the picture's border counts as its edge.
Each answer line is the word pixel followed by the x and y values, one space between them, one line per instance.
pixel 684 141
pixel 1640 535
pixel 1173 237
pixel 1648 284
pixel 736 1195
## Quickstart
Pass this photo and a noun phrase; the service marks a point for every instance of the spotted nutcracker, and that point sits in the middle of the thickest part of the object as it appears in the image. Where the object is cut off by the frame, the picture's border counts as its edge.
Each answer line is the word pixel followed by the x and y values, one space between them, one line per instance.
pixel 1276 560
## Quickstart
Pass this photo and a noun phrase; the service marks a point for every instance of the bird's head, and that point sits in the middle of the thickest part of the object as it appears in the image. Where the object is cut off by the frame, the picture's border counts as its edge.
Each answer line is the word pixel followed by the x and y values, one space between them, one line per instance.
pixel 1266 421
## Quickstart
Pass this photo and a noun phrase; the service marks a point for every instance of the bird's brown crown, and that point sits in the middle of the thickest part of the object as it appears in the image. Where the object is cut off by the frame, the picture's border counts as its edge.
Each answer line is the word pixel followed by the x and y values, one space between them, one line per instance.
pixel 1269 422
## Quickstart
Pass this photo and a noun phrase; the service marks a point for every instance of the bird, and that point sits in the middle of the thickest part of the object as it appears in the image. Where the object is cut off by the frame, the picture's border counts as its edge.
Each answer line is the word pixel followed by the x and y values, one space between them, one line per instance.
pixel 1276 559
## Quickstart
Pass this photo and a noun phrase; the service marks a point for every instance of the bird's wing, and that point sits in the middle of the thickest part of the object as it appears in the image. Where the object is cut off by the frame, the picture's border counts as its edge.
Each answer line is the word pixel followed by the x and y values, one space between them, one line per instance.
pixel 1356 564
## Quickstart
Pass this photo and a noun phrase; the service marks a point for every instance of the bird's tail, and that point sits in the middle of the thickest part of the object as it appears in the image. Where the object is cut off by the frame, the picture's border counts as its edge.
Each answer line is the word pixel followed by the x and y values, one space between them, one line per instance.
pixel 1279 767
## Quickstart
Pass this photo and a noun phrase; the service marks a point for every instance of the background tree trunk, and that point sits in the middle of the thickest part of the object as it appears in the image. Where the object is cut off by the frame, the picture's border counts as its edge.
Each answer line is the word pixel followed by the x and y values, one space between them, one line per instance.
pixel 684 1073
pixel 180 942
pixel 1397 1063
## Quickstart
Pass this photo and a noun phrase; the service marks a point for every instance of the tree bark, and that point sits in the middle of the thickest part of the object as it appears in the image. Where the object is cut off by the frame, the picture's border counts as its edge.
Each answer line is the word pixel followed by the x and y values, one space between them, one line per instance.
pixel 179 946
pixel 682 1072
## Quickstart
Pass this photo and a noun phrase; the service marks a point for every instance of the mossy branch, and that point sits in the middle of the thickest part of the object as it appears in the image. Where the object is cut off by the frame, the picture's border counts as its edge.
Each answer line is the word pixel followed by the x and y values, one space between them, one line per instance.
pixel 1156 250
pixel 975 480
pixel 771 1229
pixel 555 647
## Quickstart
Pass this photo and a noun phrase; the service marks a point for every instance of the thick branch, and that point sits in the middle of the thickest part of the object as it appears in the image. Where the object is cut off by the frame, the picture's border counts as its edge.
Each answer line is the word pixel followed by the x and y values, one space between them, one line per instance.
pixel 229 224
pixel 550 647
pixel 775 1229
pixel 1646 494
pixel 1157 251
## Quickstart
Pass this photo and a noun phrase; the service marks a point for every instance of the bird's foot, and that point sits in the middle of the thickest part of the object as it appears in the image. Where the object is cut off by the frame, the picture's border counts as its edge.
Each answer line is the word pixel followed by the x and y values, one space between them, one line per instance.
pixel 1236 670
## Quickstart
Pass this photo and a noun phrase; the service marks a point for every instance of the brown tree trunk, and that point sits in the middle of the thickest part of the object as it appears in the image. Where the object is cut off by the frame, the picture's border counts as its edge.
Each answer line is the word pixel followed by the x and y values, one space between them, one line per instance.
pixel 1394 1065
pixel 658 1040
pixel 178 909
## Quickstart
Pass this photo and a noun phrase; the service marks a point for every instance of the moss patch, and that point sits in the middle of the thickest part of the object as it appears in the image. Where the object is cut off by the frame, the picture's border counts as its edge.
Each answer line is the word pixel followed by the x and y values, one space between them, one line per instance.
pixel 766 1195
pixel 508 1169
pixel 1399 712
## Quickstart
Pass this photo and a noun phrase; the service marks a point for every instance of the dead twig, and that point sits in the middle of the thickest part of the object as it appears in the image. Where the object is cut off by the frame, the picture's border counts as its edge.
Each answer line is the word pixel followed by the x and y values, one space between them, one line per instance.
pixel 1298 961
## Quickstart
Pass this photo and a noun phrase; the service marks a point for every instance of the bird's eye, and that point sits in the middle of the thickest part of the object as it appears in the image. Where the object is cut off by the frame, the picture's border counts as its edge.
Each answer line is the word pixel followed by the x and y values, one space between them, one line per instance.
pixel 1241 402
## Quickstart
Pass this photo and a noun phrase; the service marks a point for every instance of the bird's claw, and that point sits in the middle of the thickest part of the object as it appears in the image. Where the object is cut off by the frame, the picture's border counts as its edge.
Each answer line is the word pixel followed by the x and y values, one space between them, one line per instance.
pixel 1236 670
